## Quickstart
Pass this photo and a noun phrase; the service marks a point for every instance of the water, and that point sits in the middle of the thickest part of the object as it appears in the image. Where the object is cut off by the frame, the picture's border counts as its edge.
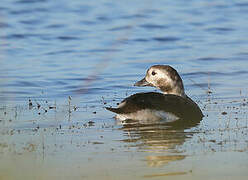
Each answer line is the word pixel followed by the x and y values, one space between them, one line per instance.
pixel 94 52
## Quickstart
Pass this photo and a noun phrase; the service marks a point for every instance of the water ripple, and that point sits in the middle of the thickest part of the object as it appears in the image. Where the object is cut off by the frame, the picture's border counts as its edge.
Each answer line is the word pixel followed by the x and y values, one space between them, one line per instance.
pixel 212 59
pixel 120 28
pixel 220 30
pixel 141 40
pixel 215 73
pixel 203 73
pixel 26 84
pixel 28 11
pixel 60 52
pixel 88 22
pixel 31 1
pixel 153 26
pixel 166 39
pixel 242 4
pixel 24 36
pixel 55 26
pixel 67 38
pixel 17 36
pixel 31 22
pixel 87 90
pixel 10 92
pixel 104 50
pixel 135 16
pixel 103 19
pixel 78 29
pixel 4 25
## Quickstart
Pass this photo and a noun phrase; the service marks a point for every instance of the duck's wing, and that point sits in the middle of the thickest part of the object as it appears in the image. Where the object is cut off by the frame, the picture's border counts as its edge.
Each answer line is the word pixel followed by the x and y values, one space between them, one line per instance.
pixel 177 105
pixel 134 103
pixel 131 104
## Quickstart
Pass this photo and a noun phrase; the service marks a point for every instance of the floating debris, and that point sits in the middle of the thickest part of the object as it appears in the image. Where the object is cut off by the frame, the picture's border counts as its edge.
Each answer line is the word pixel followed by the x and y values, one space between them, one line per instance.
pixel 52 107
pixel 103 100
pixel 97 142
pixel 224 113
pixel 91 123
pixel 69 104
pixel 209 91
pixel 30 104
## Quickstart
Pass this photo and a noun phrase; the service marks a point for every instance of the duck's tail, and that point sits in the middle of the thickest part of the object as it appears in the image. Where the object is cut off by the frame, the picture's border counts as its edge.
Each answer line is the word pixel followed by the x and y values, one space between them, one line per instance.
pixel 115 110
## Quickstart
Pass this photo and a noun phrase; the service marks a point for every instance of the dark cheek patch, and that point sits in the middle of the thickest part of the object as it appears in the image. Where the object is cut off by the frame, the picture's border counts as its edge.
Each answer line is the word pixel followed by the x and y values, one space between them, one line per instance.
pixel 167 88
pixel 163 86
pixel 161 82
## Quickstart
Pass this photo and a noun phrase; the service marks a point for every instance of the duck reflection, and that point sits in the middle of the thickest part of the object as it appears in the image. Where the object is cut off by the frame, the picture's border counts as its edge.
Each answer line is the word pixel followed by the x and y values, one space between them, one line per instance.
pixel 160 140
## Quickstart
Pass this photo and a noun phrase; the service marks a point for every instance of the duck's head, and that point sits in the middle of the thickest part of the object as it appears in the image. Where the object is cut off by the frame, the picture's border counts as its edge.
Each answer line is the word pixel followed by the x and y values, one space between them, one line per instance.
pixel 165 78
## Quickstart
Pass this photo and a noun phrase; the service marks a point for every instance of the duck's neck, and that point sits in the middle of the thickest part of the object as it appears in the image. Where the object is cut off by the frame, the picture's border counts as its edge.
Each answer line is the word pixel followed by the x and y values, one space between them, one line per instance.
pixel 177 90
pixel 182 94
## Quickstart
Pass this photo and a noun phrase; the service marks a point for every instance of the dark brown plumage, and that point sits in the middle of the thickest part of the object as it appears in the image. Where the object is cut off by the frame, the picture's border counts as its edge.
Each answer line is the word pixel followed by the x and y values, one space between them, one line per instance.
pixel 177 105
pixel 172 105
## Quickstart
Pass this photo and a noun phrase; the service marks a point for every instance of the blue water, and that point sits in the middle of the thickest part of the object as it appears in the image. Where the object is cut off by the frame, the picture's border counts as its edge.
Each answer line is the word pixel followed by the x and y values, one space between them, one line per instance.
pixel 51 48
pixel 94 51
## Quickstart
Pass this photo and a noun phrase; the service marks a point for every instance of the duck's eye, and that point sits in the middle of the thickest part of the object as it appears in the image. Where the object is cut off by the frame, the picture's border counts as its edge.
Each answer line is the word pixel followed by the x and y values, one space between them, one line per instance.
pixel 153 73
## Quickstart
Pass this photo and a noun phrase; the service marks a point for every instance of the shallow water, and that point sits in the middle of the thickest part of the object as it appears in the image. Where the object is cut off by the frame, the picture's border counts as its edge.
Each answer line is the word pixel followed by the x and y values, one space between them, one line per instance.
pixel 94 52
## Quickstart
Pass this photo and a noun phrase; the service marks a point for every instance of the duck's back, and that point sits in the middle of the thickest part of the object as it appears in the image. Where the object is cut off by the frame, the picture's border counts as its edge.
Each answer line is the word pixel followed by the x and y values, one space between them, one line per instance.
pixel 179 106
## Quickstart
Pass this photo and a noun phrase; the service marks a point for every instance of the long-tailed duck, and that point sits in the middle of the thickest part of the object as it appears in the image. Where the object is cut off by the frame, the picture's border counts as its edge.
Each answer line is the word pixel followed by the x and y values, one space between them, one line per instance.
pixel 172 105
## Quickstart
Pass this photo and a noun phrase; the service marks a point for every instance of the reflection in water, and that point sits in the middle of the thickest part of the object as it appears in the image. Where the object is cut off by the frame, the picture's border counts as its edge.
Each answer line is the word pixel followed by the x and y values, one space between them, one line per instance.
pixel 156 134
pixel 155 161
pixel 160 139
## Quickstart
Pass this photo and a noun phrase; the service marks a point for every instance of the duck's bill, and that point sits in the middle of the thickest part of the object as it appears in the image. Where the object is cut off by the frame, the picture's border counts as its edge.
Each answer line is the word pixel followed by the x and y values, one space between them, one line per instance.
pixel 142 82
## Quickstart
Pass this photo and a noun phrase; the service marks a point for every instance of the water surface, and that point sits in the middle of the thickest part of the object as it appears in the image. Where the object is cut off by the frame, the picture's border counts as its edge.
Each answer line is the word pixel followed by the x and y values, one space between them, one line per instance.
pixel 94 52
